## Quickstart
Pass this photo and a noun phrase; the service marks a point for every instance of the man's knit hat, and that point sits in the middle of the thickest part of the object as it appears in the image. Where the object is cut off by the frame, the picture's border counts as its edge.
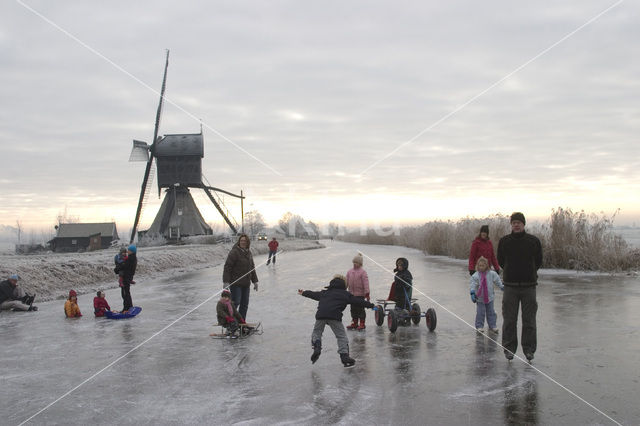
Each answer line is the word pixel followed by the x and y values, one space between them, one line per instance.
pixel 518 216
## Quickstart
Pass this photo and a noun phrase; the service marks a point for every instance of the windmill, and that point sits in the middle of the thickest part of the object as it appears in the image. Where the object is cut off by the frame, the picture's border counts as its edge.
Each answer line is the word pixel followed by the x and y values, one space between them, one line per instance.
pixel 179 167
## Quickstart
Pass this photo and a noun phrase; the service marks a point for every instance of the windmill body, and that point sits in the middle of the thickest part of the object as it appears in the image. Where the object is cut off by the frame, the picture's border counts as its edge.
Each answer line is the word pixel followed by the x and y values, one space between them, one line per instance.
pixel 179 167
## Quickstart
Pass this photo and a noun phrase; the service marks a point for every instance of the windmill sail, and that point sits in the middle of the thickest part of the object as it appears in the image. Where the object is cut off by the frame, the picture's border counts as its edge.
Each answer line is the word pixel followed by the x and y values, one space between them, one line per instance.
pixel 143 188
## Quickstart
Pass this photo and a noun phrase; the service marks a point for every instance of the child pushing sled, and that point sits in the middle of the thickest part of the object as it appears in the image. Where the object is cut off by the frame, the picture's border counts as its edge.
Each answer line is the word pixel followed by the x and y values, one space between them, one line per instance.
pixel 331 303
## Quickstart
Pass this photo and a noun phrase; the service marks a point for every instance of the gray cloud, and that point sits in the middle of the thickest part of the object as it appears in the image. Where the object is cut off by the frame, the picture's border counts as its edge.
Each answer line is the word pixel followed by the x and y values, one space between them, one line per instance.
pixel 320 92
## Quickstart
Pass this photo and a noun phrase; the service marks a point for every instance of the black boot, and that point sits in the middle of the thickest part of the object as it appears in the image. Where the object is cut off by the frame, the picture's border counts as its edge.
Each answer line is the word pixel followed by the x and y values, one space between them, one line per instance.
pixel 317 348
pixel 347 361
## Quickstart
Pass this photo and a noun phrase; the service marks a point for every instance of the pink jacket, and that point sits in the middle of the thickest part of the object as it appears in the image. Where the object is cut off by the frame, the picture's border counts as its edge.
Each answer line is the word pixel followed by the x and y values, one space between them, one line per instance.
pixel 358 282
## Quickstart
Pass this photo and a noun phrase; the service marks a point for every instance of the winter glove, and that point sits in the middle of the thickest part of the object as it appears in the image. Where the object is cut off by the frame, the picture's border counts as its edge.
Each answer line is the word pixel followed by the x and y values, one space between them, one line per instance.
pixel 366 296
pixel 473 297
pixel 255 286
pixel 242 321
pixel 229 319
pixel 471 272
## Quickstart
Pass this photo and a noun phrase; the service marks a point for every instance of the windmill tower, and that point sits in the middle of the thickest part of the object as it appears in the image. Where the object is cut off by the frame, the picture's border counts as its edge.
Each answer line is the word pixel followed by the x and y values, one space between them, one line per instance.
pixel 179 167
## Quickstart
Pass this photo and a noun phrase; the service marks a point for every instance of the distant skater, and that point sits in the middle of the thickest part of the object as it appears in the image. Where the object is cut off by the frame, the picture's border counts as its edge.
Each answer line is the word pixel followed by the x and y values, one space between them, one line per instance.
pixel 273 250
pixel 358 285
pixel 128 269
pixel 520 256
pixel 71 308
pixel 331 303
pixel 482 247
pixel 482 294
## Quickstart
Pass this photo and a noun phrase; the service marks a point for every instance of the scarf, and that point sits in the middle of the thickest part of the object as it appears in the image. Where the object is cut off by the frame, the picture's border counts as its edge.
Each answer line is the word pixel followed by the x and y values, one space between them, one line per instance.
pixel 483 290
pixel 229 307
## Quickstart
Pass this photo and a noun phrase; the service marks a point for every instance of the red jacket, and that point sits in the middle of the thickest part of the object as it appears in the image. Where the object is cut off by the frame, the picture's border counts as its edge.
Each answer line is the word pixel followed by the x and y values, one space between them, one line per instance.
pixel 273 245
pixel 481 247
pixel 100 305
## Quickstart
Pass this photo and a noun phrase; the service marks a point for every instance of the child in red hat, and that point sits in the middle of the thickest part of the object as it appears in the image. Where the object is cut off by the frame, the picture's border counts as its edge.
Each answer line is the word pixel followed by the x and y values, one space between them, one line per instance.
pixel 71 308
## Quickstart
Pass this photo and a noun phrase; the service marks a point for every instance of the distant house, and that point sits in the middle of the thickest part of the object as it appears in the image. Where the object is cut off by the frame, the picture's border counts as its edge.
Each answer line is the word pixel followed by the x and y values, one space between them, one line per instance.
pixel 73 237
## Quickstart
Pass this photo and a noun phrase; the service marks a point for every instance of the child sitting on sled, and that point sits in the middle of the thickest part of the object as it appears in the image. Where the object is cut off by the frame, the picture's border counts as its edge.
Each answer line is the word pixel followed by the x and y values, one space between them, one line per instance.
pixel 100 305
pixel 71 308
pixel 228 316
pixel 331 303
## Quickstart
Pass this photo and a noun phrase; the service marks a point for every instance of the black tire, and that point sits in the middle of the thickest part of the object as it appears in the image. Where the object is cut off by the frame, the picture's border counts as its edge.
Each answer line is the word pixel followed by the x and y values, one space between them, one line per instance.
pixel 379 315
pixel 415 313
pixel 431 319
pixel 392 320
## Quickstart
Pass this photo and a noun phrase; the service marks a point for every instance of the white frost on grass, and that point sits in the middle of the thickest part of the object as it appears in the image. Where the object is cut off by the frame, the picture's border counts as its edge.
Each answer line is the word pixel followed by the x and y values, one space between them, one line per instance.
pixel 51 276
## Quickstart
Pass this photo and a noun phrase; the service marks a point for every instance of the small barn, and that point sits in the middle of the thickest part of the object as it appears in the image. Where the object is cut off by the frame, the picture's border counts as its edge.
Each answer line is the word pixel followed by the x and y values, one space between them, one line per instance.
pixel 73 237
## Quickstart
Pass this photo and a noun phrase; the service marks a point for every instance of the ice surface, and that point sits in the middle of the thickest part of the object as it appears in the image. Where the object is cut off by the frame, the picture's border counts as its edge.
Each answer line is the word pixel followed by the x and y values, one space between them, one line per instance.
pixel 163 368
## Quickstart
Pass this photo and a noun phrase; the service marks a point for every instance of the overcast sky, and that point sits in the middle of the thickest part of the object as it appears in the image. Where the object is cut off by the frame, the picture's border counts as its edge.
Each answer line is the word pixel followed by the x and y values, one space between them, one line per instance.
pixel 344 111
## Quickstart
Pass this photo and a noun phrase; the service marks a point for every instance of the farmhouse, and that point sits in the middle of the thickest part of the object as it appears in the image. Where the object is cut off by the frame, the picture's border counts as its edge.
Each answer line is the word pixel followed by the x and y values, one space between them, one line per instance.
pixel 73 237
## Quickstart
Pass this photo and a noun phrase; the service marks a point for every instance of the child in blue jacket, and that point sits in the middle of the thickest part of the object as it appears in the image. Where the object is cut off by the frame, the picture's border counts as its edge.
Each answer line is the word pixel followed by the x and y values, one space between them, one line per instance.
pixel 482 294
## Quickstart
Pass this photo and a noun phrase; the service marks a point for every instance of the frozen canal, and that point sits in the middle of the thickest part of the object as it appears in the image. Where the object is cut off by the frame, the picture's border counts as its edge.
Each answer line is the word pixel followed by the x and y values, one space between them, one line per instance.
pixel 163 368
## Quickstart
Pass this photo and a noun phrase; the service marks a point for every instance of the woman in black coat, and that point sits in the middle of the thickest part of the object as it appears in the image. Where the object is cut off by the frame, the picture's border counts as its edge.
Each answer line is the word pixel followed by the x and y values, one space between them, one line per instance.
pixel 239 272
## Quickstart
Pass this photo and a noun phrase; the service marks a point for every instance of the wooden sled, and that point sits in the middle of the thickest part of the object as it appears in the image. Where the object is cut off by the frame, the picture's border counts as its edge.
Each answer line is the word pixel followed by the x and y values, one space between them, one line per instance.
pixel 243 331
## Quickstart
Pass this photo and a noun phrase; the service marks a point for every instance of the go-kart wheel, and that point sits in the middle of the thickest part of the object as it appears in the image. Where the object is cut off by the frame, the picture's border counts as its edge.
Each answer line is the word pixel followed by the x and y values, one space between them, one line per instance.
pixel 415 313
pixel 431 319
pixel 392 320
pixel 379 315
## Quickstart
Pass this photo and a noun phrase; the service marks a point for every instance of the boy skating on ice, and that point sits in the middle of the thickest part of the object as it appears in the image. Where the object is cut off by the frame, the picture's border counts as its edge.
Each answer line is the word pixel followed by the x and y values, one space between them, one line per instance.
pixel 331 303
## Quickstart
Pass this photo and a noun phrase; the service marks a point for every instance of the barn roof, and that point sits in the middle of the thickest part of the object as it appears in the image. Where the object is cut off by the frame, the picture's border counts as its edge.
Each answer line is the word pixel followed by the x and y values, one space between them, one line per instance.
pixel 180 144
pixel 79 230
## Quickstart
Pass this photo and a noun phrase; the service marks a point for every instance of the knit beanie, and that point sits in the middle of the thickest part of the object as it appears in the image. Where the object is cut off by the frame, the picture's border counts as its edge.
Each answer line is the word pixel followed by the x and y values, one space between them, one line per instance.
pixel 484 228
pixel 358 259
pixel 518 216
pixel 72 293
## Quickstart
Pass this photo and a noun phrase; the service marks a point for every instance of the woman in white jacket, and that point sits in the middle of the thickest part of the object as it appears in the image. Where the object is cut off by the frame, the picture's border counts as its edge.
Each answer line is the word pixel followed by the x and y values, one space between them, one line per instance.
pixel 482 293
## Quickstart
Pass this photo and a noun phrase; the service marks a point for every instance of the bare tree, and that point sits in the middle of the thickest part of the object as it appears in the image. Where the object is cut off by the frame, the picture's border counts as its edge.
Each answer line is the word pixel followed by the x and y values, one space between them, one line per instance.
pixel 254 222
pixel 65 217
pixel 19 230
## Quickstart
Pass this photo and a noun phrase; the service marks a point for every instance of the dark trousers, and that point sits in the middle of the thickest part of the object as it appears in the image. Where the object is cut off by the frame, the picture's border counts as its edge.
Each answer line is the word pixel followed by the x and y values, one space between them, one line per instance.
pixel 240 298
pixel 513 298
pixel 125 292
pixel 272 253
pixel 357 312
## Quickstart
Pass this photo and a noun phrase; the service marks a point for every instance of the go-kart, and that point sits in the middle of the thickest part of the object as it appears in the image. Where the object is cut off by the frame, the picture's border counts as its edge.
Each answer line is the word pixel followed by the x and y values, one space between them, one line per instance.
pixel 397 316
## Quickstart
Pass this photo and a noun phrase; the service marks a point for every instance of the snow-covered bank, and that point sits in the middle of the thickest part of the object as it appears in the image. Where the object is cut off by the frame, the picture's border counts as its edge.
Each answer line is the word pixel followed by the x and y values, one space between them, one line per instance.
pixel 52 275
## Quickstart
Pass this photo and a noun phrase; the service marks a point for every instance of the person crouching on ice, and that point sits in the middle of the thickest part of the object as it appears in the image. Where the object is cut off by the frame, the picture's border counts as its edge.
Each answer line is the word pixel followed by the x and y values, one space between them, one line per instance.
pixel 100 305
pixel 71 308
pixel 228 316
pixel 331 303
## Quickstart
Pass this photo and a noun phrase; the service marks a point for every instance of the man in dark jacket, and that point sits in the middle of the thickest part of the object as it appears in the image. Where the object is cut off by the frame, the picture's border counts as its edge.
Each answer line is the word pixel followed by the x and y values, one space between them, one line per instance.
pixel 128 270
pixel 520 257
pixel 13 297
pixel 331 303
pixel 238 274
